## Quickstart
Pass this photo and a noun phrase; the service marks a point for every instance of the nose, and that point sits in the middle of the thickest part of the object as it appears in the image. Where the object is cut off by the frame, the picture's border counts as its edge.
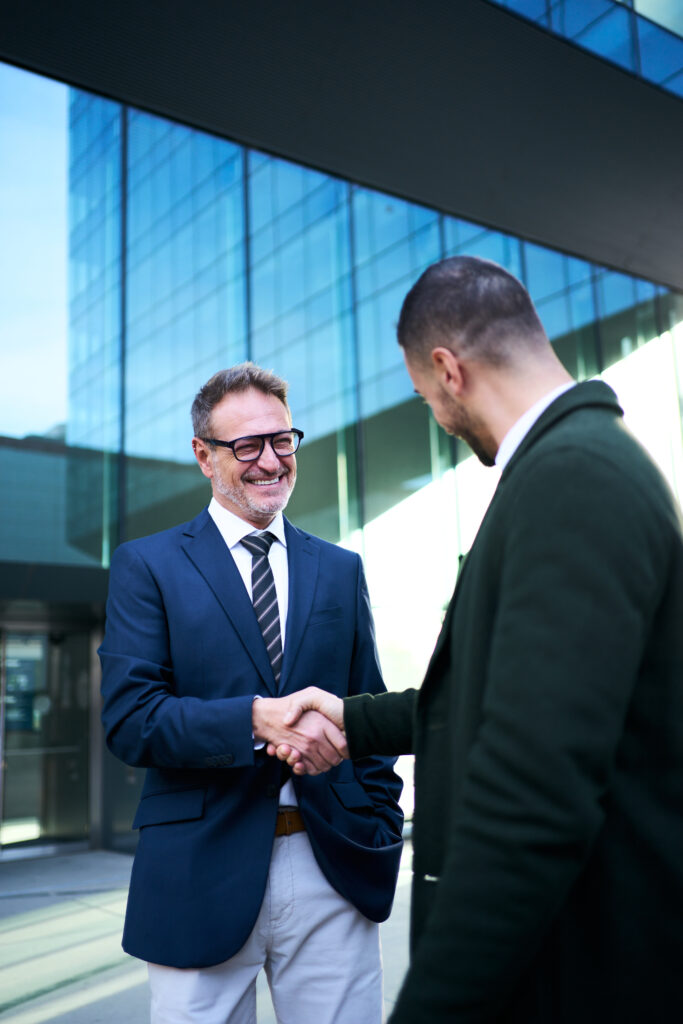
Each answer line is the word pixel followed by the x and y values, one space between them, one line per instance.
pixel 268 460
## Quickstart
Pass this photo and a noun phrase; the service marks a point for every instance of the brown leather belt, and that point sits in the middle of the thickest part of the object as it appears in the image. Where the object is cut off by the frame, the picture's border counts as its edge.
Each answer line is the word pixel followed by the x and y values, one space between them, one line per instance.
pixel 289 820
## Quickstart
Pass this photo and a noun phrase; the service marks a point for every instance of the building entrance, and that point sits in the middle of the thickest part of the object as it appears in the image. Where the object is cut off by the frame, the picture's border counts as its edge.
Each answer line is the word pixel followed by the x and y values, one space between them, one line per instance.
pixel 44 737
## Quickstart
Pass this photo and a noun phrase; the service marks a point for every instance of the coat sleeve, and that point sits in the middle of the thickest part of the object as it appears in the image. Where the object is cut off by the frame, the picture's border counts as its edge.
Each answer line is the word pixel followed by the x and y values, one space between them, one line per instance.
pixel 582 572
pixel 381 724
pixel 146 723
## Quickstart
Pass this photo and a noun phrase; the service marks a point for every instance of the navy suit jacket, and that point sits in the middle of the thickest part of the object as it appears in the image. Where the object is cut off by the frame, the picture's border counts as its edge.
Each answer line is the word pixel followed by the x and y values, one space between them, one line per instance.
pixel 182 659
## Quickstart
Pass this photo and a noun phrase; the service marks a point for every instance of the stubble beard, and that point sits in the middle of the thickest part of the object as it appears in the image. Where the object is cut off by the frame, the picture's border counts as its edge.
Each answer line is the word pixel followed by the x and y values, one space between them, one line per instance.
pixel 263 509
pixel 476 436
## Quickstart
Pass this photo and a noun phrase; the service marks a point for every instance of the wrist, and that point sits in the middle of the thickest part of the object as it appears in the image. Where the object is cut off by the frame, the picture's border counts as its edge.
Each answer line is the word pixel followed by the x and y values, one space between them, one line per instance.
pixel 258 718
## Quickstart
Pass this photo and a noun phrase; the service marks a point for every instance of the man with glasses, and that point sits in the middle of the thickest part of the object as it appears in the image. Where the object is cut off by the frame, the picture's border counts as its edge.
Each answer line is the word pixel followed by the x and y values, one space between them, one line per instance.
pixel 210 626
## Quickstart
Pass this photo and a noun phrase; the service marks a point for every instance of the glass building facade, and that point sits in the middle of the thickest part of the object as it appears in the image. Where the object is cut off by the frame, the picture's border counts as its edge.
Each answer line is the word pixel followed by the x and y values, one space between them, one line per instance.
pixel 641 36
pixel 179 253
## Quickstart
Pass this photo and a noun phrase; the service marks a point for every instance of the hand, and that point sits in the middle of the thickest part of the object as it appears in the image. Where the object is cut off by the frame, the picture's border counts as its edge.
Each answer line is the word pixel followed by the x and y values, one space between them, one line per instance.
pixel 318 743
pixel 301 704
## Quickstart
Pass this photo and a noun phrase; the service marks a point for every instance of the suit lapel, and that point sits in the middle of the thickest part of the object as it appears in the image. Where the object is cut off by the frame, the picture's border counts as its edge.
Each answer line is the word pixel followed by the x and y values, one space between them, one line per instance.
pixel 207 551
pixel 302 560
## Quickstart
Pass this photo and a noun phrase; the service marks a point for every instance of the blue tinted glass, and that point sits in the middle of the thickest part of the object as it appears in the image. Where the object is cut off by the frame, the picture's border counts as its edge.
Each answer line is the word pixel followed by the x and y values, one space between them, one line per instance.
pixel 675 84
pixel 326 255
pixel 323 201
pixel 667 13
pixel 491 245
pixel 379 222
pixel 457 233
pixel 555 316
pixel 644 290
pixel 261 210
pixel 582 305
pixel 611 38
pixel 616 292
pixel 661 52
pixel 425 247
pixel 577 270
pixel 288 184
pixel 545 271
pixel 534 9
pixel 569 17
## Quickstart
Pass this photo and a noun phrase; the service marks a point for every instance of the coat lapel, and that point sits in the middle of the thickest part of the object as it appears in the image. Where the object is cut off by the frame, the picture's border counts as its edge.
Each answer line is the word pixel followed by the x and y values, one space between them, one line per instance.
pixel 303 561
pixel 207 551
pixel 581 396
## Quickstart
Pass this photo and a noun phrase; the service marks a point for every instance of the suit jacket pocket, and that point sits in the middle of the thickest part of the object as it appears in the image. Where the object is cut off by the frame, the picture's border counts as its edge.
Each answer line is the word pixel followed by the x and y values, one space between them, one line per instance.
pixel 325 615
pixel 162 808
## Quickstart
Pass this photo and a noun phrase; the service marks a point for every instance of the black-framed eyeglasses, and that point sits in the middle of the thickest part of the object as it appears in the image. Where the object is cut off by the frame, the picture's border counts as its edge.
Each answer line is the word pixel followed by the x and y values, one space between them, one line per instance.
pixel 249 449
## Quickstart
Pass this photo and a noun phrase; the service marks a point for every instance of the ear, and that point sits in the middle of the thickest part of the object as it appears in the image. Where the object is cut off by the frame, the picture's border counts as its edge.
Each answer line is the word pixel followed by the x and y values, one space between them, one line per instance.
pixel 203 456
pixel 449 370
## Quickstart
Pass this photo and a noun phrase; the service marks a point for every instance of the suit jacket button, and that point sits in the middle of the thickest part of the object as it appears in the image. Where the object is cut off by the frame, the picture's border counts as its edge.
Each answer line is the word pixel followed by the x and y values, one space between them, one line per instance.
pixel 272 791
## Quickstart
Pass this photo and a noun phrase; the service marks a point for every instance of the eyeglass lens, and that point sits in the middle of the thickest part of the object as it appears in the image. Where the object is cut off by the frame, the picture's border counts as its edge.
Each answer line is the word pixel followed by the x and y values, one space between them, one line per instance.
pixel 248 448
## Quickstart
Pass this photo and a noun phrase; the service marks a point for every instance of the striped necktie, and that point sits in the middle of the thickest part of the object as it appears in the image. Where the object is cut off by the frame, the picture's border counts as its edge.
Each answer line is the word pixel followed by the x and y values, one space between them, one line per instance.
pixel 264 597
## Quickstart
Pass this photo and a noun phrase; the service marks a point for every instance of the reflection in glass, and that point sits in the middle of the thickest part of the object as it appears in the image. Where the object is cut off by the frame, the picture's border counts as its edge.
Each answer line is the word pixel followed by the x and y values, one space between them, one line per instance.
pixel 45 742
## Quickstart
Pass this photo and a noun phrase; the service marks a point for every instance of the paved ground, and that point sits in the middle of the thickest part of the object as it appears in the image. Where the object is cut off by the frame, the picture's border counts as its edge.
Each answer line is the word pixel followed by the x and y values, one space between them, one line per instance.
pixel 61 960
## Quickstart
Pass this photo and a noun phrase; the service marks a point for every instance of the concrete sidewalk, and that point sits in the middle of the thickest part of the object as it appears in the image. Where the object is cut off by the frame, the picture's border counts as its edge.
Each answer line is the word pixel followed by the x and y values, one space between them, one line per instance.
pixel 61 960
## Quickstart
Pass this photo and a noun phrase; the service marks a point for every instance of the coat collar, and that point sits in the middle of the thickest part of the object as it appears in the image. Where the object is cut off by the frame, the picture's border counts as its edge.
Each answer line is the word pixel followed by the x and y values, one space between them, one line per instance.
pixel 589 393
pixel 207 550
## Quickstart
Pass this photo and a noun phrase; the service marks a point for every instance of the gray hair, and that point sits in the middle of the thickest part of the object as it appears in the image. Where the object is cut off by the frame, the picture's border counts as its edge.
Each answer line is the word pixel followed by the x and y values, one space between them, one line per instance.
pixel 240 377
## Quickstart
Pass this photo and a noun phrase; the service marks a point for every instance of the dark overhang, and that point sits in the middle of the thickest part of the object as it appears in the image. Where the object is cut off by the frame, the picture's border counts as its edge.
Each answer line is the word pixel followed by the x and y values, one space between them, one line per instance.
pixel 457 104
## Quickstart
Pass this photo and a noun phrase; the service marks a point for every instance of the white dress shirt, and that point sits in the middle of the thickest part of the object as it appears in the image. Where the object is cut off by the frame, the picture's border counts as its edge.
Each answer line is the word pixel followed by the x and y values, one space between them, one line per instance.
pixel 232 529
pixel 519 430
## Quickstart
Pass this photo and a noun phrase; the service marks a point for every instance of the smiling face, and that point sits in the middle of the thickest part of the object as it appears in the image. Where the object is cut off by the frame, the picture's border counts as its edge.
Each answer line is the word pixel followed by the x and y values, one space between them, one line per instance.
pixel 254 491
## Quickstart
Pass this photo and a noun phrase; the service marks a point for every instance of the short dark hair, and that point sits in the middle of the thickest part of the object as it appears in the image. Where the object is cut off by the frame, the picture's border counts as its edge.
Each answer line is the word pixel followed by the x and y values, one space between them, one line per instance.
pixel 473 306
pixel 240 377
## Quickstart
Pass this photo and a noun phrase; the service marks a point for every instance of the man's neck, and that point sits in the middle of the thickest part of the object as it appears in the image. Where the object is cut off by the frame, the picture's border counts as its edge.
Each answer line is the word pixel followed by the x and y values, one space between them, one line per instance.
pixel 506 397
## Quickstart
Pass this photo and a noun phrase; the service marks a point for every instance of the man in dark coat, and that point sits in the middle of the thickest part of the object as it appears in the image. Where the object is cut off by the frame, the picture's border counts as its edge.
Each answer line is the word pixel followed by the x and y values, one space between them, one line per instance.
pixel 548 732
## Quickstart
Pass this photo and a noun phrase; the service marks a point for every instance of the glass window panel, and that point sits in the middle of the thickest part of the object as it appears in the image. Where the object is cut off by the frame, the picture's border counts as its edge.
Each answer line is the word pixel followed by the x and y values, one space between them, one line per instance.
pixel 425 247
pixel 545 271
pixel 292 275
pixel 323 201
pixel 611 38
pixel 616 292
pixel 668 13
pixel 675 84
pixel 554 314
pixel 661 53
pixel 536 10
pixel 46 749
pixel 577 270
pixel 388 222
pixel 582 305
pixel 288 183
pixel 569 17
pixel 502 249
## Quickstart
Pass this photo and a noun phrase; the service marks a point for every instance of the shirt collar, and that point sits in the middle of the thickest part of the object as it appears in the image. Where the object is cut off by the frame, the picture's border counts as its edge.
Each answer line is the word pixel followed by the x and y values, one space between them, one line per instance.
pixel 519 430
pixel 232 528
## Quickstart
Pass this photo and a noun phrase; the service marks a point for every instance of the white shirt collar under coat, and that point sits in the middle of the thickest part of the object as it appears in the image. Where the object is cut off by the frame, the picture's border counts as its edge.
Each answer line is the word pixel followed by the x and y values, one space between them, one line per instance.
pixel 232 528
pixel 519 430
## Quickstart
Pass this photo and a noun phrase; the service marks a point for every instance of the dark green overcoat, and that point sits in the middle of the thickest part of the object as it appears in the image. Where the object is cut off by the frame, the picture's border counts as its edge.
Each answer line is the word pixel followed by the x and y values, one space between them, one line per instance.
pixel 548 734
